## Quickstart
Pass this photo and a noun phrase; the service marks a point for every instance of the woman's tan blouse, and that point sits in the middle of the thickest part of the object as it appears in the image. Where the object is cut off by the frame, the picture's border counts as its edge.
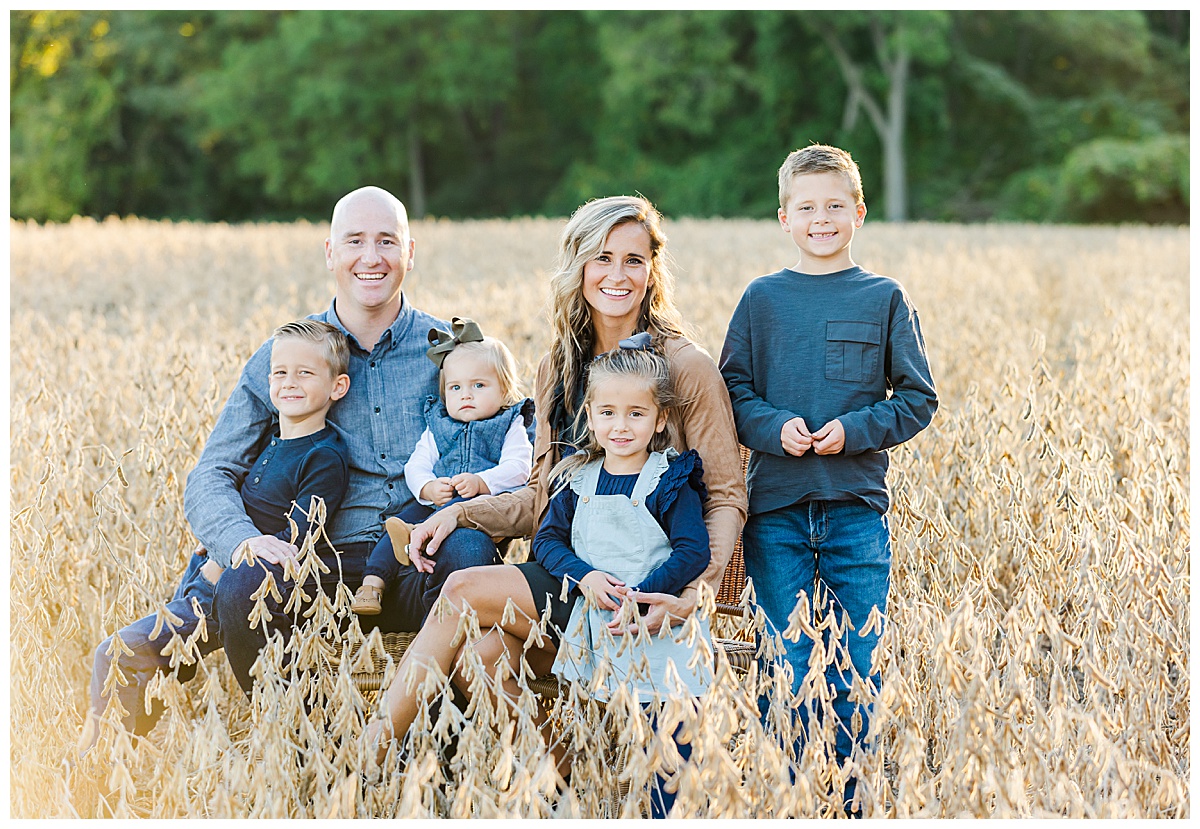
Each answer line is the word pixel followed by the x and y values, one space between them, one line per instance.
pixel 705 423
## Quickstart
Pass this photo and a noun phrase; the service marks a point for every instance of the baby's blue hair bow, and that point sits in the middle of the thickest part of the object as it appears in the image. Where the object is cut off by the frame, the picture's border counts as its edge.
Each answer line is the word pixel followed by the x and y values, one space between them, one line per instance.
pixel 642 341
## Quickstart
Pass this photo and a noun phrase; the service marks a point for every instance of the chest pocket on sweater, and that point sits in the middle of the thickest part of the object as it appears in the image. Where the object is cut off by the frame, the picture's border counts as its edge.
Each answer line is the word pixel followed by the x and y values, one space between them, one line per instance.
pixel 852 350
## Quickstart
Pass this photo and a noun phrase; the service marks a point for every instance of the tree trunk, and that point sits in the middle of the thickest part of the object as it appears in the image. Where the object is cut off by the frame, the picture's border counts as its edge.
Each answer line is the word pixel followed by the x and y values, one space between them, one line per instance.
pixel 889 125
pixel 895 183
pixel 416 173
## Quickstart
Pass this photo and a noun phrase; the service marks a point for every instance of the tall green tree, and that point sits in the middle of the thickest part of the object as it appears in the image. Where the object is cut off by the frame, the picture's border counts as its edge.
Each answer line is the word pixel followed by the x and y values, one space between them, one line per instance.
pixel 417 101
pixel 875 52
pixel 63 108
pixel 1064 116
pixel 1063 109
pixel 98 122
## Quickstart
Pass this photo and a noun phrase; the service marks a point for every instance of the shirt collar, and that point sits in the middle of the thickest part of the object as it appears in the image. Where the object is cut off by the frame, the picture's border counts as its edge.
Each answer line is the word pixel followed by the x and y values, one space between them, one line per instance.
pixel 393 333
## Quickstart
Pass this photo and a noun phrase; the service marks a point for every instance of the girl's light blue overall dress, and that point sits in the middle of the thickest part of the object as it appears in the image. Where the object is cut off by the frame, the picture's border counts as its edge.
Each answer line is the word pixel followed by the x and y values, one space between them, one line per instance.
pixel 618 535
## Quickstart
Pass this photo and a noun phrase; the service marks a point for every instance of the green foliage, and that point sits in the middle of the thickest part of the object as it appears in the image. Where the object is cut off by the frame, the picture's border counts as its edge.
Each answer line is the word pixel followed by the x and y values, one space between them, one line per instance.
pixel 1110 180
pixel 50 173
pixel 1037 115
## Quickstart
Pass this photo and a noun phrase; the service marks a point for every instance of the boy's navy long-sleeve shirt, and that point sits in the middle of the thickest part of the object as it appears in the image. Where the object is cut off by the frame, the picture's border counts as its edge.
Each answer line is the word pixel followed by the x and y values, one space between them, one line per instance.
pixel 295 469
pixel 845 346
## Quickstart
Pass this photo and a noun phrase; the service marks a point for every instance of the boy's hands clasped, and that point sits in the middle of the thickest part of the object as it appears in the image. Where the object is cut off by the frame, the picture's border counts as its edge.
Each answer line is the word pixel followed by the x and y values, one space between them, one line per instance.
pixel 795 437
pixel 828 440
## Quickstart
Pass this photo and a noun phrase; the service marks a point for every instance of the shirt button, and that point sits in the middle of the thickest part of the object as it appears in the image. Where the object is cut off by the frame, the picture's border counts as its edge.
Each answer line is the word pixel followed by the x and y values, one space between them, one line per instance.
pixel 585 499
pixel 372 364
pixel 382 456
pixel 635 502
pixel 264 461
pixel 391 486
pixel 272 443
pixel 256 480
pixel 376 410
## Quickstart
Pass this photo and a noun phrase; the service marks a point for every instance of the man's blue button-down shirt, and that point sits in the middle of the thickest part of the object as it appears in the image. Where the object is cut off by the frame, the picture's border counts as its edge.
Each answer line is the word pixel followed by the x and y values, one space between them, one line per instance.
pixel 380 418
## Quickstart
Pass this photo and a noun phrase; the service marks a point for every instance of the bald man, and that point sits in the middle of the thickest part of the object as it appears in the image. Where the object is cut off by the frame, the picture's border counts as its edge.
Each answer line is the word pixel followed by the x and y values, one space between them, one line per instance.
pixel 369 251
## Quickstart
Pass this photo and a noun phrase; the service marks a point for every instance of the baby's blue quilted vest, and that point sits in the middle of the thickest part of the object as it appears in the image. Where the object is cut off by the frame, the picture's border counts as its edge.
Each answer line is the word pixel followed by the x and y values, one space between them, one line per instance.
pixel 467 447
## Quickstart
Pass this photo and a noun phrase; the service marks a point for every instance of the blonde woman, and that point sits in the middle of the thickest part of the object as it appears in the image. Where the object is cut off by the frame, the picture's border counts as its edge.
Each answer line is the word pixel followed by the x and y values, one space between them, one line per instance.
pixel 612 282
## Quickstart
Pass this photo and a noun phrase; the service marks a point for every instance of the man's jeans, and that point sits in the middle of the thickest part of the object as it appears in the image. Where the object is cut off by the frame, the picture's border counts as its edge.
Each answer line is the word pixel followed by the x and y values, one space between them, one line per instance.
pixel 147 659
pixel 405 603
pixel 847 546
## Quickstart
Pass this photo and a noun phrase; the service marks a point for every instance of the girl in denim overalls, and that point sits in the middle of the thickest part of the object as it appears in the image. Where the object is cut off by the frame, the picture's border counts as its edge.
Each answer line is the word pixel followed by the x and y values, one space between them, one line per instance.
pixel 627 519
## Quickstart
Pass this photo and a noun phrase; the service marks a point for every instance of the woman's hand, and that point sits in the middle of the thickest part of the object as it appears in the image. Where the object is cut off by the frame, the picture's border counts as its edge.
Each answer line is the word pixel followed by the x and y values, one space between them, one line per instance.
pixel 664 607
pixel 427 536
pixel 608 590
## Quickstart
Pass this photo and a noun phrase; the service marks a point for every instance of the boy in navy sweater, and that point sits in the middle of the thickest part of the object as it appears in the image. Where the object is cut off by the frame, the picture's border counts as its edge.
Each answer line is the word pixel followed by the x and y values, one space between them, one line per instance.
pixel 305 457
pixel 826 370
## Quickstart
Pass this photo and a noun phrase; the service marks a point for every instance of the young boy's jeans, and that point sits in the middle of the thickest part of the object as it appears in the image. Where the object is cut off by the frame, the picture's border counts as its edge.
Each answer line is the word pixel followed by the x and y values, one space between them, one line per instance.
pixel 405 608
pixel 846 545
pixel 147 658
pixel 382 562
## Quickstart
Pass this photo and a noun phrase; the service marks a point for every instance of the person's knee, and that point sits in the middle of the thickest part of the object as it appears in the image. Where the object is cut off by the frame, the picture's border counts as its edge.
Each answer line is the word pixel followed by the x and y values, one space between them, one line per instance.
pixel 464 548
pixel 492 650
pixel 461 586
pixel 474 587
pixel 231 601
pixel 101 661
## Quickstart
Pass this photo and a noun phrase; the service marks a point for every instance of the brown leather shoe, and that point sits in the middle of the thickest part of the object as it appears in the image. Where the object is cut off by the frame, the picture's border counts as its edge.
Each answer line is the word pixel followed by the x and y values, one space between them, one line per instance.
pixel 399 533
pixel 368 601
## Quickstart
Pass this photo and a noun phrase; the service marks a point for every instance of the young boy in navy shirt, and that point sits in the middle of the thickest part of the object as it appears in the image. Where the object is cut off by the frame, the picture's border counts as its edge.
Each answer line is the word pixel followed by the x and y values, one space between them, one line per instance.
pixel 826 369
pixel 306 457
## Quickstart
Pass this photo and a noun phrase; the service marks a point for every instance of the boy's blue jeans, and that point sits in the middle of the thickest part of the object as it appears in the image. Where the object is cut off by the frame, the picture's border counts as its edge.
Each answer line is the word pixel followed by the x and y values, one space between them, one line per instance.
pixel 404 609
pixel 661 801
pixel 847 546
pixel 147 658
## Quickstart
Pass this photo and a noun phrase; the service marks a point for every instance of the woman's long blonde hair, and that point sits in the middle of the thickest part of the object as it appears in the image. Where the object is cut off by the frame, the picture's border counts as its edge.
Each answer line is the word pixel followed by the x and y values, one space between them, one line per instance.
pixel 570 315
pixel 644 364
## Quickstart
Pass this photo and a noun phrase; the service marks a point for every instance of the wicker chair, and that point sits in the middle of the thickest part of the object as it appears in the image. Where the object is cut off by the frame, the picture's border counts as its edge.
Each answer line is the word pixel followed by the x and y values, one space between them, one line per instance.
pixel 739 652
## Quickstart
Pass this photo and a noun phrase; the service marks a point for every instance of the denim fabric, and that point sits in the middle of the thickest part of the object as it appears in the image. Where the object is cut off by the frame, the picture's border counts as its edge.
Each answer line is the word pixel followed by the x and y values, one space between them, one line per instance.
pixel 410 598
pixel 848 547
pixel 147 658
pixel 467 447
pixel 405 604
pixel 380 418
pixel 661 801
pixel 233 605
pixel 382 563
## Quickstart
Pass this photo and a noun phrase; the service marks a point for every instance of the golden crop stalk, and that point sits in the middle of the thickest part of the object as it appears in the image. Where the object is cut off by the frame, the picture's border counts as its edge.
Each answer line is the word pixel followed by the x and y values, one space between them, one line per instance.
pixel 1035 655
